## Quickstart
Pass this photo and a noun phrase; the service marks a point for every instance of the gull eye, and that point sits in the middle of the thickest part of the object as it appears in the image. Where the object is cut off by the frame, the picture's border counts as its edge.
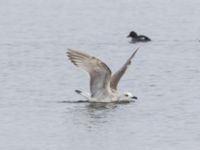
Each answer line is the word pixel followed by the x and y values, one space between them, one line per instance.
pixel 126 95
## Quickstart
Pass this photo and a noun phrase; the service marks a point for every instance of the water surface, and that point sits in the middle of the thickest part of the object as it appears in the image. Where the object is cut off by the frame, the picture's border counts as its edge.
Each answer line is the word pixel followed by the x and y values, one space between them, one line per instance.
pixel 36 77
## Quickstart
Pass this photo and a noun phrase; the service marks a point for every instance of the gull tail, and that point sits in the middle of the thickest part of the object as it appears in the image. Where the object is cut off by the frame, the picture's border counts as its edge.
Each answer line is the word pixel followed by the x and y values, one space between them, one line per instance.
pixel 84 94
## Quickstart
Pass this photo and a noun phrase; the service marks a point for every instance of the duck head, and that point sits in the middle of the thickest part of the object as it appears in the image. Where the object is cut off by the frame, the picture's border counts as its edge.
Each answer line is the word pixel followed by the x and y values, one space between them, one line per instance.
pixel 132 34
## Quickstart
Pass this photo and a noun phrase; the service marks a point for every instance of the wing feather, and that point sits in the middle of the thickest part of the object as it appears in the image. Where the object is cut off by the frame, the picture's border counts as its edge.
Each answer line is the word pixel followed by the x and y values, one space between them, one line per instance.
pixel 100 74
pixel 117 76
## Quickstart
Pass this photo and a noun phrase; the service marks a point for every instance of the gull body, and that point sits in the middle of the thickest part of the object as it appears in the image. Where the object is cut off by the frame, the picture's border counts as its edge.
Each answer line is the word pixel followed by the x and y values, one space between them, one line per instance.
pixel 103 85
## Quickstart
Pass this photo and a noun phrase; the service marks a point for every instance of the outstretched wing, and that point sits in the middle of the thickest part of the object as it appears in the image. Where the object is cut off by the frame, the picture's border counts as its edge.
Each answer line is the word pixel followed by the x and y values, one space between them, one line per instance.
pixel 99 72
pixel 117 76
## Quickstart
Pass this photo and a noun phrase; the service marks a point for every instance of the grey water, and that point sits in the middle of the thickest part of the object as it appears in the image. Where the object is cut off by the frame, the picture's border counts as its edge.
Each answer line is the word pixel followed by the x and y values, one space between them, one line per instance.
pixel 37 79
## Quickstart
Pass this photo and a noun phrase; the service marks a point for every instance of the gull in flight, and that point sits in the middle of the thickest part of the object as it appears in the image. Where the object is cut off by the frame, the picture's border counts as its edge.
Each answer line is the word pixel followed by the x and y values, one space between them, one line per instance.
pixel 103 85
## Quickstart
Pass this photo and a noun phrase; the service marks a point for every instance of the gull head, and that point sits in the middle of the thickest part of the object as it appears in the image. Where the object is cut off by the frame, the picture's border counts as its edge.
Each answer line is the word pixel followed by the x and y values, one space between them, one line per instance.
pixel 128 96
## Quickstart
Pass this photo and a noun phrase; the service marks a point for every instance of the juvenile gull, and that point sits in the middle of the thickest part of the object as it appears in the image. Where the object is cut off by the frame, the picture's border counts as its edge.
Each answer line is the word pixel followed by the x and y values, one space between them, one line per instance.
pixel 103 85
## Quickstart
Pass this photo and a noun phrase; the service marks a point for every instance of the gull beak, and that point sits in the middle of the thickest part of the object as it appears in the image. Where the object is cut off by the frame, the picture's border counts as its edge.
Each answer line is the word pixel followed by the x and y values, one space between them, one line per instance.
pixel 134 97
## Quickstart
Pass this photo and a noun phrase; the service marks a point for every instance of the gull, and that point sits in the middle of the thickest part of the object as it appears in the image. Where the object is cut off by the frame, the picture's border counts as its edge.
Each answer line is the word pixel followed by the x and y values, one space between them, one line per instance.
pixel 103 85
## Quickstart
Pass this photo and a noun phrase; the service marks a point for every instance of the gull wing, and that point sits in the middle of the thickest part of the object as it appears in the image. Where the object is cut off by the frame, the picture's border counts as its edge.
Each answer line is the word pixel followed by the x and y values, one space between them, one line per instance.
pixel 100 74
pixel 117 76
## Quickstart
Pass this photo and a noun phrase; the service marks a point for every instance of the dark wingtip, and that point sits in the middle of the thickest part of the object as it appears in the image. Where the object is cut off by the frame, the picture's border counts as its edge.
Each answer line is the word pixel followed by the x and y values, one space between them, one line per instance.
pixel 78 91
pixel 68 52
pixel 134 53
pixel 137 49
pixel 69 49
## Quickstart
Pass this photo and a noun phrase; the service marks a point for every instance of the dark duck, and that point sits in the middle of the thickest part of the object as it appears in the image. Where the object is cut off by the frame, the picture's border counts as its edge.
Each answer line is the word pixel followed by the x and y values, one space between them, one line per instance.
pixel 138 38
